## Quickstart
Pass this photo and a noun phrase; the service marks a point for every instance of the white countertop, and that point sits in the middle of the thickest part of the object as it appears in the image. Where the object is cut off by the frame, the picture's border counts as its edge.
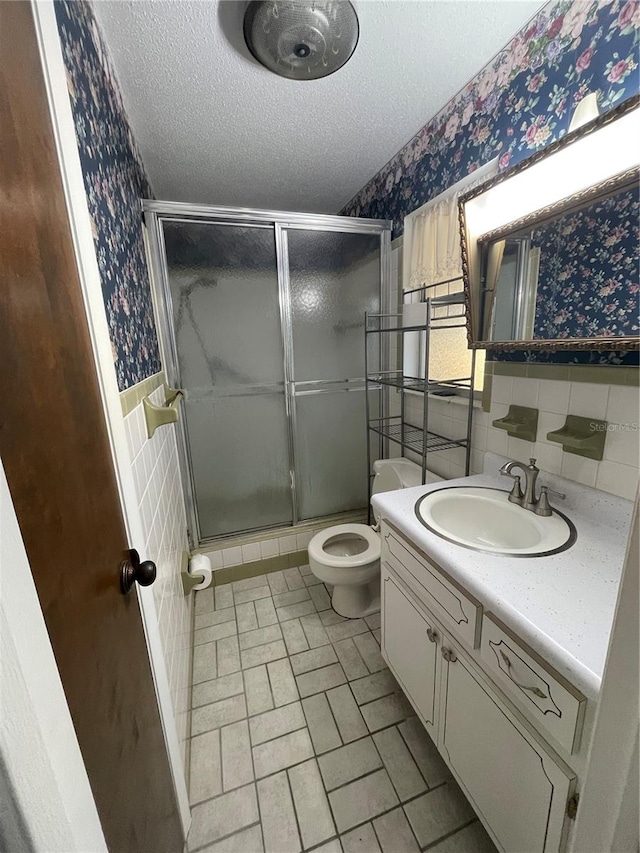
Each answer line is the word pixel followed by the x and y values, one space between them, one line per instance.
pixel 562 605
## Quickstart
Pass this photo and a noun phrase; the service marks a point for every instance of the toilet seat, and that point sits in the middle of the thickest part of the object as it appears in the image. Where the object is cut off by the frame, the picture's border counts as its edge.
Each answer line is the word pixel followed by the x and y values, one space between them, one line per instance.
pixel 369 555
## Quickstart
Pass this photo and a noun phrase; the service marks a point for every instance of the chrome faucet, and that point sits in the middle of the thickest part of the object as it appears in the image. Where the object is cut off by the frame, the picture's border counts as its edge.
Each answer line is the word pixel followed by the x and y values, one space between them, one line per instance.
pixel 528 500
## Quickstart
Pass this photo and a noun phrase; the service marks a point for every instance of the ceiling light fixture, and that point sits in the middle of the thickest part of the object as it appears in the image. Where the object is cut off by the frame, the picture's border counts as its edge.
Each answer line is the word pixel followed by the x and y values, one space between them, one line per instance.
pixel 301 40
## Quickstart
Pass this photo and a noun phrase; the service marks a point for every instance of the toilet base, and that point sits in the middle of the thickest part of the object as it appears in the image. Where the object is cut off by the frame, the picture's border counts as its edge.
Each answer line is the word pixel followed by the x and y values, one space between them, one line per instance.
pixel 355 601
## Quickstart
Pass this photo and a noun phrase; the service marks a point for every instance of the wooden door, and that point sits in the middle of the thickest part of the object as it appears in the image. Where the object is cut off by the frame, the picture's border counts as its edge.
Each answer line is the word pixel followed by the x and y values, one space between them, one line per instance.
pixel 55 450
pixel 518 788
pixel 409 645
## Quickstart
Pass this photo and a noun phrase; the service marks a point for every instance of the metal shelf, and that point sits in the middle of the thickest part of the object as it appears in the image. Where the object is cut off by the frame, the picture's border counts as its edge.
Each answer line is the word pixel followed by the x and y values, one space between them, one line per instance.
pixel 442 312
pixel 410 383
pixel 414 438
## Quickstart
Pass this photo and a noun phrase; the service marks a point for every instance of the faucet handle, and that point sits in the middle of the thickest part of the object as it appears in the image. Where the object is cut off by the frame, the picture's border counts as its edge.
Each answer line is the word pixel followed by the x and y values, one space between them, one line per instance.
pixel 543 507
pixel 515 495
pixel 553 492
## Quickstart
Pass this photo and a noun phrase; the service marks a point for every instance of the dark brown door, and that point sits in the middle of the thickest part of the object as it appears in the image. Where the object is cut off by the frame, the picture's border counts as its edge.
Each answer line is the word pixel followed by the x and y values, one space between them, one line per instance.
pixel 55 450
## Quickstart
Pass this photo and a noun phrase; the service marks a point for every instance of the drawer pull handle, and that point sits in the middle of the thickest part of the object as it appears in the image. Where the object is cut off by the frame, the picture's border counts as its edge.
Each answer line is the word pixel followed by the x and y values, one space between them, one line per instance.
pixel 432 635
pixel 535 690
pixel 449 655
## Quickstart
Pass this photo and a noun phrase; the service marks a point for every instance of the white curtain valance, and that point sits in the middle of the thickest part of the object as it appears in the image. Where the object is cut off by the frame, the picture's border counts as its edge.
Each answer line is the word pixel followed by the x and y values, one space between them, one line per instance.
pixel 432 235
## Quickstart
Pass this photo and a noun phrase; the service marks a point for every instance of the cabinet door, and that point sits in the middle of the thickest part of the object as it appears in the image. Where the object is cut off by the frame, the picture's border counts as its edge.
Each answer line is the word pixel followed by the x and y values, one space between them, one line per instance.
pixel 513 783
pixel 406 646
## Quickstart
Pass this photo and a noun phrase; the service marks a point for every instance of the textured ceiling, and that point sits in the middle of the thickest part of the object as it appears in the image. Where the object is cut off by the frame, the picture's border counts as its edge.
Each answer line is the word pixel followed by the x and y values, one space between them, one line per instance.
pixel 214 126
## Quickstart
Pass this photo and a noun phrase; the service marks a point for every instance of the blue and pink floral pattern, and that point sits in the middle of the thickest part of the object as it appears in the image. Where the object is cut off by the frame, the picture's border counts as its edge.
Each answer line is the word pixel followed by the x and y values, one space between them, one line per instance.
pixel 588 275
pixel 115 181
pixel 519 103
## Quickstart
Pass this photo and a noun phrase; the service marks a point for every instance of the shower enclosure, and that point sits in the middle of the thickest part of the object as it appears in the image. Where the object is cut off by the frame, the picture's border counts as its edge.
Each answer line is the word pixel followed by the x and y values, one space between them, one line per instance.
pixel 261 320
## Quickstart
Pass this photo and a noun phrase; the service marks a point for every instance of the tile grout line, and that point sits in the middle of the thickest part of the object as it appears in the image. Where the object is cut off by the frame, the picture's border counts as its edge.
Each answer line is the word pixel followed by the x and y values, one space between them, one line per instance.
pixel 453 832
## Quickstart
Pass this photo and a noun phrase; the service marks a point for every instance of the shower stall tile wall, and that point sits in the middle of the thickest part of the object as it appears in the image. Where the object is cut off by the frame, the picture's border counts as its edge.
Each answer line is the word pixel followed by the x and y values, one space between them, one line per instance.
pixel 155 466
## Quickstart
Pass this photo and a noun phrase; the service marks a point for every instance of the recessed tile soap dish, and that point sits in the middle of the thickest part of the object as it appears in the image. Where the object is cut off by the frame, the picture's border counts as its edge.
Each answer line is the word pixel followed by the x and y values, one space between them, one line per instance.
pixel 519 422
pixel 581 436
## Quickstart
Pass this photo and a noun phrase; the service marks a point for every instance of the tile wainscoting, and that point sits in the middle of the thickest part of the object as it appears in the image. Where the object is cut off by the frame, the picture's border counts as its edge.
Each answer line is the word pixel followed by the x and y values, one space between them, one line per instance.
pixel 154 463
pixel 619 405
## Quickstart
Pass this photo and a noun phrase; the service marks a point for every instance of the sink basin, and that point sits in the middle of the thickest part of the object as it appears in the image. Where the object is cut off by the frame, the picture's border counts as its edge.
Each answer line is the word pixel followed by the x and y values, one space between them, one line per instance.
pixel 483 519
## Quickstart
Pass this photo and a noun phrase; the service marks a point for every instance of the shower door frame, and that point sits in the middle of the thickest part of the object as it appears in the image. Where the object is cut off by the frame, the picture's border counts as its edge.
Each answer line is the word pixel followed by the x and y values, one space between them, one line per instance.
pixel 157 212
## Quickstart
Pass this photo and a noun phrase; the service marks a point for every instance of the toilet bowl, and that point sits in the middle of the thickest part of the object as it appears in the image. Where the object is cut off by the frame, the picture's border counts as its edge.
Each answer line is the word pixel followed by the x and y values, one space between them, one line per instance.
pixel 347 556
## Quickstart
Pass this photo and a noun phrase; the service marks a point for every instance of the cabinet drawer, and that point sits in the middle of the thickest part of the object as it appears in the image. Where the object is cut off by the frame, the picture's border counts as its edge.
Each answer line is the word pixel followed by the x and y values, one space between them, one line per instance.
pixel 547 698
pixel 440 593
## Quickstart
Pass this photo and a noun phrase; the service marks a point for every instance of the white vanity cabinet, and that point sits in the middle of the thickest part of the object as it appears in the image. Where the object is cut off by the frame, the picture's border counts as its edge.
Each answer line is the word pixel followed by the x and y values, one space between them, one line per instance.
pixel 410 644
pixel 515 780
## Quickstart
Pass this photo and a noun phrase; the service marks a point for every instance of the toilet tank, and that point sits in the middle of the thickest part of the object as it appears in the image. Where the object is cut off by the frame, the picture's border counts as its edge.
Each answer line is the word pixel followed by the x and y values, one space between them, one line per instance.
pixel 392 474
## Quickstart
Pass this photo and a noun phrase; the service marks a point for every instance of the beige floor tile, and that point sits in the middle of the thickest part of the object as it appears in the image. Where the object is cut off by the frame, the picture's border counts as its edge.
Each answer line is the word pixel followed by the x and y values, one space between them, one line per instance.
pixel 283 684
pixel 228 813
pixel 353 665
pixel 394 833
pixel 228 655
pixel 214 617
pixel 312 806
pixel 346 713
pixel 224 596
pixel 313 659
pixel 246 841
pixel 246 617
pixel 322 726
pixel 204 662
pixel 402 769
pixel 362 800
pixel 246 595
pixel 205 771
pixel 278 818
pixel 370 652
pixel 266 612
pixel 273 724
pixel 237 763
pixel 386 711
pixel 348 763
pixel 283 752
pixel 217 689
pixel 424 752
pixel 438 813
pixel 214 632
pixel 360 840
pixel 314 630
pixel 262 654
pixel 218 714
pixel 260 636
pixel 257 690
pixel 294 637
pixel 284 599
pixel 294 611
pixel 320 679
pixel 471 839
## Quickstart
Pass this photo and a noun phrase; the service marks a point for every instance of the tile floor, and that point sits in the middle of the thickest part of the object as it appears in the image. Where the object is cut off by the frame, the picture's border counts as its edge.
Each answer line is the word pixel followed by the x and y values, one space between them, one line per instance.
pixel 301 737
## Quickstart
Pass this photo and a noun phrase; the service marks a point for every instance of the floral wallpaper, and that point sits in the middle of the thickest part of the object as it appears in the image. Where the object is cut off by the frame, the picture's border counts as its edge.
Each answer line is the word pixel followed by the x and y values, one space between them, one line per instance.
pixel 519 103
pixel 588 274
pixel 516 105
pixel 115 181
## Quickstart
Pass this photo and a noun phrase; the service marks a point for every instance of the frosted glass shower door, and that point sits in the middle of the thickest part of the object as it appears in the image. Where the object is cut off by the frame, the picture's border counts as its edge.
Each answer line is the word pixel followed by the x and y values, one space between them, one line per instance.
pixel 225 300
pixel 333 278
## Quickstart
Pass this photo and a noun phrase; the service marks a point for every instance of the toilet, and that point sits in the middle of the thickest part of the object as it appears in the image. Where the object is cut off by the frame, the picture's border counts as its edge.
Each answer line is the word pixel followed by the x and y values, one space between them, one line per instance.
pixel 347 556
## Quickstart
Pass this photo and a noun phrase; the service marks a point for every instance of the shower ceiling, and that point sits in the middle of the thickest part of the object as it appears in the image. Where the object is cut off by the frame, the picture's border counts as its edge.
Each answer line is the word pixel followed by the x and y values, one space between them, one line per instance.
pixel 214 126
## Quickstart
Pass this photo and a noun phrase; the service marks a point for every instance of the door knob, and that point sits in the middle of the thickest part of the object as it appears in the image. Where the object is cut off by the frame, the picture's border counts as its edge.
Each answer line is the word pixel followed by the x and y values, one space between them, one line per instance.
pixel 133 570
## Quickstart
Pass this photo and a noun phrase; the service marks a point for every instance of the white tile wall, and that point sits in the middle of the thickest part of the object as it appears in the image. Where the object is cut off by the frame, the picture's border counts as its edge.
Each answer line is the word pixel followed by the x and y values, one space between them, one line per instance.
pixel 617 404
pixel 157 477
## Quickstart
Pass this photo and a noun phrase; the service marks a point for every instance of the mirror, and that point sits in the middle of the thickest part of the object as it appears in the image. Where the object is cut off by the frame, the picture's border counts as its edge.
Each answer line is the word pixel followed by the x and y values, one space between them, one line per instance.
pixel 551 247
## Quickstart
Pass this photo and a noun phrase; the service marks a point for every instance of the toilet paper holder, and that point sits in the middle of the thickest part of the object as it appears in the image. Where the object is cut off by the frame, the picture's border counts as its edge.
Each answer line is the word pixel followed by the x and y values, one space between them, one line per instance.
pixel 191 580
